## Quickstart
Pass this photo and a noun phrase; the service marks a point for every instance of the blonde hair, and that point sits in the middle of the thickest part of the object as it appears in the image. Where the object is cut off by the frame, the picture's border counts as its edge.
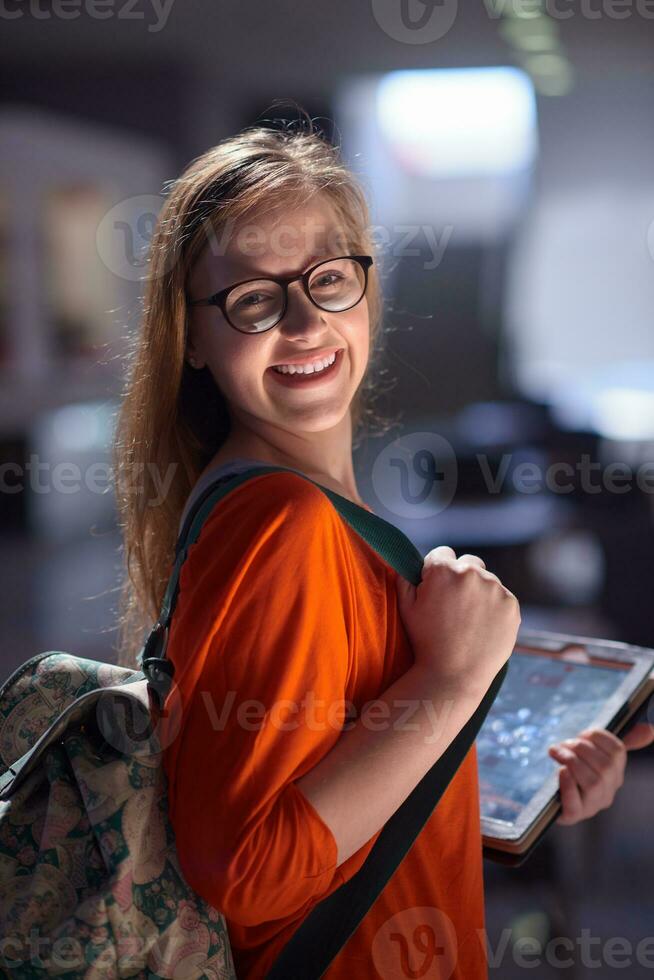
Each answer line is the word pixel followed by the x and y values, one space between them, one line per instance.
pixel 172 419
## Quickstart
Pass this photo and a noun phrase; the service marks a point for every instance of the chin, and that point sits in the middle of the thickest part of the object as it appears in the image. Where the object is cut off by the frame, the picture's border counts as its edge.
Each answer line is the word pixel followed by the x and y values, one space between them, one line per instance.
pixel 319 420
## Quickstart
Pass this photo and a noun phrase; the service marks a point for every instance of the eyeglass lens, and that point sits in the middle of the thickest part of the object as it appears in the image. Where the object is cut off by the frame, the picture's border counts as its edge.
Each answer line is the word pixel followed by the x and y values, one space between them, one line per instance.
pixel 335 285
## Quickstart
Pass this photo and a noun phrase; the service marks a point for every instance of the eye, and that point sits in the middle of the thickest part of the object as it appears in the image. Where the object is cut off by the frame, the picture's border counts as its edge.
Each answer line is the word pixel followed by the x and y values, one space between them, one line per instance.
pixel 325 277
pixel 252 299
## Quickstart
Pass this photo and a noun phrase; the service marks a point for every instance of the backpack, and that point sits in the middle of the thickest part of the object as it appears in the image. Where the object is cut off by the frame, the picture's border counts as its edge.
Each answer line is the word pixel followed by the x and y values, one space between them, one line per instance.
pixel 90 883
pixel 89 877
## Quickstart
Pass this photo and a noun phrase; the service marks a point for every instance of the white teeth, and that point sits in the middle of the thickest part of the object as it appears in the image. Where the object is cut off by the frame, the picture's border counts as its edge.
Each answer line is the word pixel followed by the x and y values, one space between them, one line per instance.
pixel 314 368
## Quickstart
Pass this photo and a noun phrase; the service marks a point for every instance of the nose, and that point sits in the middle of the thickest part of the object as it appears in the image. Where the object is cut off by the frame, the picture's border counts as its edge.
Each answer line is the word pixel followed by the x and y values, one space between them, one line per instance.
pixel 302 315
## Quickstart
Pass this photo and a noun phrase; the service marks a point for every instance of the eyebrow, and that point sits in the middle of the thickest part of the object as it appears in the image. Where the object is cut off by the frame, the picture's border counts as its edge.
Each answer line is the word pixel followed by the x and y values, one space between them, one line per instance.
pixel 313 260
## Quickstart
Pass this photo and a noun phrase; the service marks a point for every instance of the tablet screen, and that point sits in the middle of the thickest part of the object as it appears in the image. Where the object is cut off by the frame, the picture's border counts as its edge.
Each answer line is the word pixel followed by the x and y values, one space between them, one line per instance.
pixel 543 699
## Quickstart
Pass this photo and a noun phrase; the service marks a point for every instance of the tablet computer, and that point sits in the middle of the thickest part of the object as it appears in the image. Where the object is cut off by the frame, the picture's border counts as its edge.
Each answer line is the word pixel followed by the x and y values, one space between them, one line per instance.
pixel 556 685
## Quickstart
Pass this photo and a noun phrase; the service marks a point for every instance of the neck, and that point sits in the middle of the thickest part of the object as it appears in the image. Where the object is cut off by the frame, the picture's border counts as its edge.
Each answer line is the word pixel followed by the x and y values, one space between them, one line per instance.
pixel 325 457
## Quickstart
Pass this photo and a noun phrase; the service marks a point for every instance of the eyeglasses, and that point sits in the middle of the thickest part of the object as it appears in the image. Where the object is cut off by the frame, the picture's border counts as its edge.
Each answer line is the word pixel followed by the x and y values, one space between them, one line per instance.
pixel 256 305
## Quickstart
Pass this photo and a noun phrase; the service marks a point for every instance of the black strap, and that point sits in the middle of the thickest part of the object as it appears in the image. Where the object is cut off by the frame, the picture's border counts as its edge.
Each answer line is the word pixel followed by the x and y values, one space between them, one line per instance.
pixel 329 925
pixel 332 921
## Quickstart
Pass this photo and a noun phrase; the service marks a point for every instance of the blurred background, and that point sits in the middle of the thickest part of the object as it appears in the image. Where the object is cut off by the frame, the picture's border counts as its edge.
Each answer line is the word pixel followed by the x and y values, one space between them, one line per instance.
pixel 506 149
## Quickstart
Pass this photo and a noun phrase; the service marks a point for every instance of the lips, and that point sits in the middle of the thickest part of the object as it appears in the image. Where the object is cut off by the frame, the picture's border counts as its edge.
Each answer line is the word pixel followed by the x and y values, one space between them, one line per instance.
pixel 315 378
pixel 318 356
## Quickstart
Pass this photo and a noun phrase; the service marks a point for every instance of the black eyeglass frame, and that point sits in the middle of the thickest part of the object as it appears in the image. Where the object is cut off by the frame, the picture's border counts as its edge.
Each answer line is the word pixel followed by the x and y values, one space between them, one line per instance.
pixel 219 299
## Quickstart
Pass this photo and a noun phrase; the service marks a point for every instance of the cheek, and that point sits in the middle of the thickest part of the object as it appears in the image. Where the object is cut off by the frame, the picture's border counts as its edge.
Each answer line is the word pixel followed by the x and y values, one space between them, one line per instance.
pixel 238 365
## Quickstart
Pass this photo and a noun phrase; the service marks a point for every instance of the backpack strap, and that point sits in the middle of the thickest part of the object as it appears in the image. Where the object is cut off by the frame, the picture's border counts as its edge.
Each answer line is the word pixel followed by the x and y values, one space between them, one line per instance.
pixel 329 925
pixel 393 546
pixel 331 922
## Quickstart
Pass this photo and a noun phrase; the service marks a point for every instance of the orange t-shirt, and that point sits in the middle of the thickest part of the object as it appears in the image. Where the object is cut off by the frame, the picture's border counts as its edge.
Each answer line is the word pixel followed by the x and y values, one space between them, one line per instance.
pixel 285 619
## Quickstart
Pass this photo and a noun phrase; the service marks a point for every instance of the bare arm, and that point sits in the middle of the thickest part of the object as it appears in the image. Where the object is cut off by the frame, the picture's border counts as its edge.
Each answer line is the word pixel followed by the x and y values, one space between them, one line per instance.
pixel 375 764
pixel 462 624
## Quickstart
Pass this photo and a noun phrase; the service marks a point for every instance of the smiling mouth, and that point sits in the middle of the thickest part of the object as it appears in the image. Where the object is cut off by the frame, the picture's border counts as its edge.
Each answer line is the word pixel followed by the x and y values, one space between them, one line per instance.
pixel 297 379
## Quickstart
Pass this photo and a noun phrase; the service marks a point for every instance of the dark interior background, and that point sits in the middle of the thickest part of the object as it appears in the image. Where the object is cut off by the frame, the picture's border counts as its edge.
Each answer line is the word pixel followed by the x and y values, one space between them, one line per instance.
pixel 462 343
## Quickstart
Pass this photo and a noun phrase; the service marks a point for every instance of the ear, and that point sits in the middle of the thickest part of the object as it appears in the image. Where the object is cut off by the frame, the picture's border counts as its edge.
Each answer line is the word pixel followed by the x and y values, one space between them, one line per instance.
pixel 191 355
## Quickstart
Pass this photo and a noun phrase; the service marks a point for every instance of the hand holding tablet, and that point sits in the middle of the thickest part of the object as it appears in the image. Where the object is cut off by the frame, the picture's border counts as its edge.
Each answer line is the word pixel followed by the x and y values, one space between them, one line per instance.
pixel 559 688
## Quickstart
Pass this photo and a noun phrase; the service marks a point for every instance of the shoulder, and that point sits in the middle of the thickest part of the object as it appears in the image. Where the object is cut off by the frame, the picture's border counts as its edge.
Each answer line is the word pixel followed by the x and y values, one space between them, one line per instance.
pixel 269 520
pixel 274 544
pixel 277 497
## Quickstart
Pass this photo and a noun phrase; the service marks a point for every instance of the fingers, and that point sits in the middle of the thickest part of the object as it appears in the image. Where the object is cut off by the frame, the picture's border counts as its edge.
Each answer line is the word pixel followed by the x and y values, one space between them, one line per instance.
pixel 439 554
pixel 444 553
pixel 638 737
pixel 586 775
pixel 591 767
pixel 607 742
pixel 602 751
pixel 471 560
pixel 592 771
pixel 571 803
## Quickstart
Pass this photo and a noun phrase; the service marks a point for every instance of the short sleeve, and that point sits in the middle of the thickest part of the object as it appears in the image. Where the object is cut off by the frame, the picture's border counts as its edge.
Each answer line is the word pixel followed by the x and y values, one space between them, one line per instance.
pixel 260 641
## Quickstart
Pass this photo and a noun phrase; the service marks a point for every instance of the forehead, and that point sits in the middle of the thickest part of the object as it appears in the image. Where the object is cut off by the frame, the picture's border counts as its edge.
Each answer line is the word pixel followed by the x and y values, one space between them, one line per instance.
pixel 278 242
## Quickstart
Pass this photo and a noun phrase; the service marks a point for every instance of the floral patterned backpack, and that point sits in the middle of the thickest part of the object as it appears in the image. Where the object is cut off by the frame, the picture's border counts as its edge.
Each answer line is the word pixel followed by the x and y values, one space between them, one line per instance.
pixel 90 883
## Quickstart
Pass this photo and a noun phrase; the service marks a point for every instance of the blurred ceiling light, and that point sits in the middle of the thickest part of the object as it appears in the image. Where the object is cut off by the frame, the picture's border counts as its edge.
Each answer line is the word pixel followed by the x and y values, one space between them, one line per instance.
pixel 551 73
pixel 624 413
pixel 553 85
pixel 540 22
pixel 570 564
pixel 459 122
pixel 536 43
pixel 81 427
pixel 531 35
pixel 521 10
pixel 547 64
pixel 616 402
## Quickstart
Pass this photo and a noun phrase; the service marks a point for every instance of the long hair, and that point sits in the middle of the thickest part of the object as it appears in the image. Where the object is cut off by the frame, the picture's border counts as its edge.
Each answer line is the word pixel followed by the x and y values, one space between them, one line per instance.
pixel 172 419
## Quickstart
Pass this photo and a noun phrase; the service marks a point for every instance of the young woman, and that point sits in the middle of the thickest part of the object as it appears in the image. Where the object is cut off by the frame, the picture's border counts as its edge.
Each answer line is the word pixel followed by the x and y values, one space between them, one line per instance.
pixel 297 649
